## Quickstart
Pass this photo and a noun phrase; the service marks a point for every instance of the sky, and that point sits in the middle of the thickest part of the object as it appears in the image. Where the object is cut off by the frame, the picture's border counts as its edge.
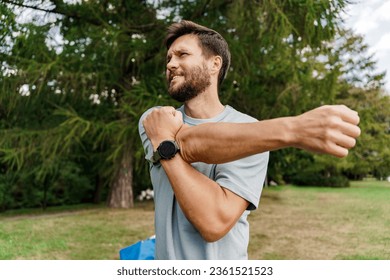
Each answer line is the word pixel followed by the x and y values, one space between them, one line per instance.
pixel 371 19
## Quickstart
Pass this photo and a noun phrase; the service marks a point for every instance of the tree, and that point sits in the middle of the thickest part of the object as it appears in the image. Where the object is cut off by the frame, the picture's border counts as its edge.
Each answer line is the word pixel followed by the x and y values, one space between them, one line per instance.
pixel 357 84
pixel 76 76
pixel 360 86
pixel 87 83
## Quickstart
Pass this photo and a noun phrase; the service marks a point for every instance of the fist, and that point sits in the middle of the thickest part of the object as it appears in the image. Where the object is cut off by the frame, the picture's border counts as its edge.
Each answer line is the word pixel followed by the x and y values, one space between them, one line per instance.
pixel 328 129
pixel 162 124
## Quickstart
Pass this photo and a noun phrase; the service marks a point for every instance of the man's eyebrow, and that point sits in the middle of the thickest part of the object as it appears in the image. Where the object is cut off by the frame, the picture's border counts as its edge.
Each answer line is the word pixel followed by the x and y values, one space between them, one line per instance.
pixel 181 50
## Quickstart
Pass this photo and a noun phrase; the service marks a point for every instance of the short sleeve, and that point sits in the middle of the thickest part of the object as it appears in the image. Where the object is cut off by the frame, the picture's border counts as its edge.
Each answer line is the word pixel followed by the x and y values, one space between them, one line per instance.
pixel 244 177
pixel 148 147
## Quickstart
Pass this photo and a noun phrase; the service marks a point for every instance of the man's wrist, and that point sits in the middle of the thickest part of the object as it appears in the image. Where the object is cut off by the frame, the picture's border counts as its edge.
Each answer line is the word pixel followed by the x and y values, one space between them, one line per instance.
pixel 288 131
pixel 156 142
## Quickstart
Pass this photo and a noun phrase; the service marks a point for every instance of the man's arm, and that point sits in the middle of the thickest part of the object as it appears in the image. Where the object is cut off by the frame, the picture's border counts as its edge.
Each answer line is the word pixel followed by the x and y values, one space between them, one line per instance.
pixel 328 129
pixel 212 209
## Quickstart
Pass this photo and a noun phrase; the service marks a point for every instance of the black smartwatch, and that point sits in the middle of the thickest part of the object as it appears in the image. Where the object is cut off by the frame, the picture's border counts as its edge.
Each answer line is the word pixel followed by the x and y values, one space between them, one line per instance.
pixel 166 150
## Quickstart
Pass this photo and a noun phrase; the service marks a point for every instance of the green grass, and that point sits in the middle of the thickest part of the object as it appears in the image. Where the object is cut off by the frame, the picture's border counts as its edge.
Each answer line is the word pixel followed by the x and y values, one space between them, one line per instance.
pixel 323 223
pixel 93 233
pixel 291 223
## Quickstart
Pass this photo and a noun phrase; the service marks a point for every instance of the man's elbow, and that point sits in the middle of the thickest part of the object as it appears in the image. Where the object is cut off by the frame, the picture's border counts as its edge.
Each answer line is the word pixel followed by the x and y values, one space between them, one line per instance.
pixel 214 233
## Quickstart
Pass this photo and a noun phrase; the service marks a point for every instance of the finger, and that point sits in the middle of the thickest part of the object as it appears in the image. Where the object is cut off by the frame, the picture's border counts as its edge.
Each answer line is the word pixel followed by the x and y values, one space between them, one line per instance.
pixel 350 129
pixel 338 151
pixel 346 141
pixel 349 115
pixel 345 136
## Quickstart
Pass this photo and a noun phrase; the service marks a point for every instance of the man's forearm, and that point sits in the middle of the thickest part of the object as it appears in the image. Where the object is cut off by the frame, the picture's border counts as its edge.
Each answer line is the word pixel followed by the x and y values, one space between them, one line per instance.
pixel 224 142
pixel 328 129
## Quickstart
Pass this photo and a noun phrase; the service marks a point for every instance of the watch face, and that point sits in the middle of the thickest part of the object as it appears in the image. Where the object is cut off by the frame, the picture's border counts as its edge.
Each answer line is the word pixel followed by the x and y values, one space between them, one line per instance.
pixel 167 149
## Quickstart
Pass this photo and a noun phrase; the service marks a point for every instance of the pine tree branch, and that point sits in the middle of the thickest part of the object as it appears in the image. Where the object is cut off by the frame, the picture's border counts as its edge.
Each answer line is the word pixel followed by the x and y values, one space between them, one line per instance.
pixel 208 5
pixel 29 7
pixel 59 9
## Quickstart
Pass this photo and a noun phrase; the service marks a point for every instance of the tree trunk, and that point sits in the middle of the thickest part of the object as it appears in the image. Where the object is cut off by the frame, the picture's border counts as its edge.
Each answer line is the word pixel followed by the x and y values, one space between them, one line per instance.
pixel 45 190
pixel 98 189
pixel 121 191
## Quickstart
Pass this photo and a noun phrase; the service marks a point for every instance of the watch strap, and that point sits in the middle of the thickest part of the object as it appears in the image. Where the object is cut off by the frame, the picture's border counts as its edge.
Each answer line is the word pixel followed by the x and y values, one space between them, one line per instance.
pixel 156 156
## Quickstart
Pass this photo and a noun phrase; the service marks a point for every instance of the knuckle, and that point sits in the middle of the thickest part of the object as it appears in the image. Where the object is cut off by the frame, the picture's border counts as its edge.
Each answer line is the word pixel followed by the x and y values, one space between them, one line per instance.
pixel 167 108
pixel 154 111
pixel 333 110
pixel 327 146
pixel 332 121
pixel 328 134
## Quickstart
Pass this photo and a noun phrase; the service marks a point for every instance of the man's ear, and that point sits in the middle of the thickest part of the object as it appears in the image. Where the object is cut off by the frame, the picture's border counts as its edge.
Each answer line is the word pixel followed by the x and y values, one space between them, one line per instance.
pixel 216 64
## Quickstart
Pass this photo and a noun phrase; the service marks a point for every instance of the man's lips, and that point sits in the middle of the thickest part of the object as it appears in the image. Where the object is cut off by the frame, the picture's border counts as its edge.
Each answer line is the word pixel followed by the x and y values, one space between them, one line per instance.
pixel 174 77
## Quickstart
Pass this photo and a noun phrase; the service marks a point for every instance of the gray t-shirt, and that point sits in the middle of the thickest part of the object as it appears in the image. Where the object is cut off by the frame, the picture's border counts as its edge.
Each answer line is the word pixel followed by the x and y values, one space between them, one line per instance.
pixel 176 237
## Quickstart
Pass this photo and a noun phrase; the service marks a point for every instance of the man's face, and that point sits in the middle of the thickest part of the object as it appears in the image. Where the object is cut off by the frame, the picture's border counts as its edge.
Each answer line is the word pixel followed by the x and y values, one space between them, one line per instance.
pixel 187 72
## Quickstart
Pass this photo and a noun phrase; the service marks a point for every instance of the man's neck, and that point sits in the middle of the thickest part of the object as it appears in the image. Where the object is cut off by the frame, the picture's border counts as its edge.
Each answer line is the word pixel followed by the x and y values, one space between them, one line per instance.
pixel 205 106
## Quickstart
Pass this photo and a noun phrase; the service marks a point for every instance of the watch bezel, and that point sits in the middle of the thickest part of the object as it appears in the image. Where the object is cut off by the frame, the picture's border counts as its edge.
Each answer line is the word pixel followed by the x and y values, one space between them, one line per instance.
pixel 167 149
pixel 165 152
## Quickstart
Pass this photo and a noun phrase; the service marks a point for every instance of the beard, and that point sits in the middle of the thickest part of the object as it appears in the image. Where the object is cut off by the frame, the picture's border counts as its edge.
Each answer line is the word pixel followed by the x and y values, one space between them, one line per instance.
pixel 195 81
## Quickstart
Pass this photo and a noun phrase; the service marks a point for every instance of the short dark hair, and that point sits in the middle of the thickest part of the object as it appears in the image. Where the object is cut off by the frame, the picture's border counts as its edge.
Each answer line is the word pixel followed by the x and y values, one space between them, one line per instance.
pixel 211 42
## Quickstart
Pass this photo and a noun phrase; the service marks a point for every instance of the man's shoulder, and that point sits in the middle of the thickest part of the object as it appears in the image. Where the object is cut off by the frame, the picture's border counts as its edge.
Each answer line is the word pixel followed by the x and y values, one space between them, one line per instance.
pixel 234 115
pixel 143 116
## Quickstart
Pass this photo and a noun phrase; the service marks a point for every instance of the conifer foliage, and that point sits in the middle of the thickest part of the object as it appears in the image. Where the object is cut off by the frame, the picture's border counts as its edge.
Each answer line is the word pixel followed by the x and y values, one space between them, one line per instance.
pixel 76 76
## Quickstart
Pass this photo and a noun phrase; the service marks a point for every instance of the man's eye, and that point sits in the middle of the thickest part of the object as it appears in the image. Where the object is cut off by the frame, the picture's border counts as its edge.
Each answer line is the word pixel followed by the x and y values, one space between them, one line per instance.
pixel 183 54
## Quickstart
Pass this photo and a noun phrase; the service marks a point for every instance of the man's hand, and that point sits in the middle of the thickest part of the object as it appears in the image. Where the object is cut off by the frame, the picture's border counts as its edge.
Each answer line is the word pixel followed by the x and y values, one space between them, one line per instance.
pixel 162 124
pixel 328 129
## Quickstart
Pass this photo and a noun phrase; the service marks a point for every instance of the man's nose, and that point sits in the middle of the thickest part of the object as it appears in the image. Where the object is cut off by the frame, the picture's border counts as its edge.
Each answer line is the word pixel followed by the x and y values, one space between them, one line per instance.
pixel 172 64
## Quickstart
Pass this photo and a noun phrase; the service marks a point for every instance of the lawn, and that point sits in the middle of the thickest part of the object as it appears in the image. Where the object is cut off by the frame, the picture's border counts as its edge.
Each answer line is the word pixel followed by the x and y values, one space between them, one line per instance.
pixel 323 223
pixel 291 223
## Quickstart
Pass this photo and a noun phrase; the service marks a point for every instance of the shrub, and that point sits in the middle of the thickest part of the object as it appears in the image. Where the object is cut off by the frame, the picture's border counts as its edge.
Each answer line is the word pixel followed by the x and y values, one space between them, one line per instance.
pixel 319 179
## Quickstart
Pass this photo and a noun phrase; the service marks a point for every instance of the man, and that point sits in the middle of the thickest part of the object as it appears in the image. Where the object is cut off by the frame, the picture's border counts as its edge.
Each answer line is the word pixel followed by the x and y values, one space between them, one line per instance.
pixel 208 172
